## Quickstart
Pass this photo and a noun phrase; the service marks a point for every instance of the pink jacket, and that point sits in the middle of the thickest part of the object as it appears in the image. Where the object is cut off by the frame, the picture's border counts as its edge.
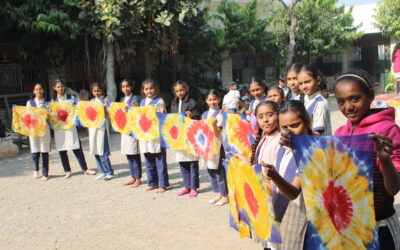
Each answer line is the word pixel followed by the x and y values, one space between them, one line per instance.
pixel 381 122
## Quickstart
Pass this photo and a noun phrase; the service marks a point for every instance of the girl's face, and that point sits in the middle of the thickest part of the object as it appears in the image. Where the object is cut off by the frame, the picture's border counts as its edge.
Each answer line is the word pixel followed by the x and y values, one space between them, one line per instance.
pixel 38 91
pixel 307 83
pixel 291 77
pixel 59 88
pixel 266 118
pixel 180 91
pixel 352 101
pixel 212 101
pixel 256 90
pixel 282 84
pixel 97 92
pixel 274 95
pixel 126 88
pixel 149 90
pixel 291 121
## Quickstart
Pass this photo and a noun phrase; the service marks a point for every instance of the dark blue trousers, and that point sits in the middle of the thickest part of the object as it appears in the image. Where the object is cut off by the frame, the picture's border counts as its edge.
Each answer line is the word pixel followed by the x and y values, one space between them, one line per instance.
pixel 156 169
pixel 190 174
pixel 79 156
pixel 217 178
pixel 135 166
pixel 103 161
pixel 45 163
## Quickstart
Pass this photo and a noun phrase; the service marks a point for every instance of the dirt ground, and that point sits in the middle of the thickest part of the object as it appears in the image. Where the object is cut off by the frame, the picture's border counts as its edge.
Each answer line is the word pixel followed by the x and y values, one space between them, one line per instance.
pixel 82 213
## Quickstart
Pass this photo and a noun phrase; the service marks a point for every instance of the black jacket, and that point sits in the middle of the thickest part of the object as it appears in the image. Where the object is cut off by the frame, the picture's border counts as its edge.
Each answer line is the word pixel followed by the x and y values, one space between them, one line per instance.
pixel 188 104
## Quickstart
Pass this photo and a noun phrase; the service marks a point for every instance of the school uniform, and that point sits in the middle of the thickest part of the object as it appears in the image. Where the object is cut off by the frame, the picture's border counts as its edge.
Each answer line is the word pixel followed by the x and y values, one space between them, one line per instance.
pixel 293 96
pixel 317 108
pixel 67 139
pixel 40 145
pixel 230 100
pixel 267 148
pixel 99 145
pixel 214 164
pixel 291 214
pixel 154 155
pixel 130 145
pixel 188 163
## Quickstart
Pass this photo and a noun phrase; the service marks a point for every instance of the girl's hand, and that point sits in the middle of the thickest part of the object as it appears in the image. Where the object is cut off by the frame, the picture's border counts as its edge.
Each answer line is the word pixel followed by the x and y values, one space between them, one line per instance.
pixel 133 103
pixel 285 138
pixel 189 114
pixel 248 112
pixel 163 108
pixel 268 170
pixel 384 146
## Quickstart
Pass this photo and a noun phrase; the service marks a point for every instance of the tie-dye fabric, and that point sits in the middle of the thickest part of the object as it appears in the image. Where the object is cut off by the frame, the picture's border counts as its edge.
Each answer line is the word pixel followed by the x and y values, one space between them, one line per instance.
pixel 336 179
pixel 29 121
pixel 143 122
pixel 240 135
pixel 172 131
pixel 91 114
pixel 200 137
pixel 249 202
pixel 62 115
pixel 119 117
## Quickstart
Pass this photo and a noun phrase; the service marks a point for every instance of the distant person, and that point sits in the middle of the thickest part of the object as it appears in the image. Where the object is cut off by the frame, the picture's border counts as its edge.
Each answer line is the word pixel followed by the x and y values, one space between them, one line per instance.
pixel 276 94
pixel 293 84
pixel 396 58
pixel 283 85
pixel 231 100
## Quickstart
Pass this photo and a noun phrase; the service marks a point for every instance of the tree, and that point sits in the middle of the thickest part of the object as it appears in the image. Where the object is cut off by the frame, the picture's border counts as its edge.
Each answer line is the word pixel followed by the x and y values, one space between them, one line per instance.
pixel 242 29
pixel 289 10
pixel 121 23
pixel 388 18
pixel 323 29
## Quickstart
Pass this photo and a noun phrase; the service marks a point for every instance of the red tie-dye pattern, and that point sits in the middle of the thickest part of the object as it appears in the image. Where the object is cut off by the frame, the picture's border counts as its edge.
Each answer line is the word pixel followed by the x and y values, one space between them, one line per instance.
pixel 120 118
pixel 145 123
pixel 30 121
pixel 91 113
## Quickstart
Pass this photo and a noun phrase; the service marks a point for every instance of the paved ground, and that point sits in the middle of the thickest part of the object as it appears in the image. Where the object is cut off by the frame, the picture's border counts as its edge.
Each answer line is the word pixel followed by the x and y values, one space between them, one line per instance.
pixel 81 213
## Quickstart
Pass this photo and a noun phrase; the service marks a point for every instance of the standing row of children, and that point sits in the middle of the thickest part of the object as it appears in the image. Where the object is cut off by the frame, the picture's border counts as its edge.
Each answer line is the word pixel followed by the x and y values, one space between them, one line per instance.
pixel 303 110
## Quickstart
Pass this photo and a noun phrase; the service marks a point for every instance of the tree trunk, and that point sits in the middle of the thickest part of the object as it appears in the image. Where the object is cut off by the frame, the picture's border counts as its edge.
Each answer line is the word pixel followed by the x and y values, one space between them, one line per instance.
pixel 87 55
pixel 110 76
pixel 292 37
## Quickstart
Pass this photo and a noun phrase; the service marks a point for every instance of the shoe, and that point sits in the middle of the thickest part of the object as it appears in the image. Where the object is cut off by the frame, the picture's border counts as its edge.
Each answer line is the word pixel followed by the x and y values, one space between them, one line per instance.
pixel 109 177
pixel 137 183
pixel 35 174
pixel 183 192
pixel 100 176
pixel 151 188
pixel 223 201
pixel 160 190
pixel 68 175
pixel 44 178
pixel 193 193
pixel 89 172
pixel 217 198
pixel 130 182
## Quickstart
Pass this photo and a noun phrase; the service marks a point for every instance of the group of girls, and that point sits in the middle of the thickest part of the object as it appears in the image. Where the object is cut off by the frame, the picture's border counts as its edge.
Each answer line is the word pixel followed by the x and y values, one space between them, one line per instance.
pixel 277 115
pixel 305 113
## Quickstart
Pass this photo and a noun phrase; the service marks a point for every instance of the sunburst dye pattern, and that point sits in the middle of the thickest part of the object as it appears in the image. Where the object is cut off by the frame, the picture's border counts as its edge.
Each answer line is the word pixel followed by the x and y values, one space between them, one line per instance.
pixel 172 131
pixel 144 123
pixel 337 186
pixel 29 121
pixel 91 114
pixel 240 135
pixel 200 137
pixel 119 117
pixel 249 201
pixel 62 115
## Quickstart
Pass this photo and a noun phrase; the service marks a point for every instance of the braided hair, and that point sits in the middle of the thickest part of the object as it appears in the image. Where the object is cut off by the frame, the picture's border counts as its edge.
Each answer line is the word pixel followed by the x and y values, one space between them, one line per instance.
pixel 275 108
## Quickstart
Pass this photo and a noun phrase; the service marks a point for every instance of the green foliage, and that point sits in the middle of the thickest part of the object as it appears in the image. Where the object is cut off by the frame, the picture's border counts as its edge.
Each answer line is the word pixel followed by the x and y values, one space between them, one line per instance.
pixel 323 28
pixel 388 18
pixel 390 82
pixel 242 29
pixel 200 55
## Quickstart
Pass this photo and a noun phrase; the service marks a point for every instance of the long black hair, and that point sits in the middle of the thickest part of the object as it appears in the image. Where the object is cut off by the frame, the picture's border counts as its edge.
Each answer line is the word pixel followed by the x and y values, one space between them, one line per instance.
pixel 316 73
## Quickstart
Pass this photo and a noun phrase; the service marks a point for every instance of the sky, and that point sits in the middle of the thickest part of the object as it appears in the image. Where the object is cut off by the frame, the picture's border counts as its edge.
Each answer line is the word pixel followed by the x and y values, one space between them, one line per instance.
pixel 356 2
